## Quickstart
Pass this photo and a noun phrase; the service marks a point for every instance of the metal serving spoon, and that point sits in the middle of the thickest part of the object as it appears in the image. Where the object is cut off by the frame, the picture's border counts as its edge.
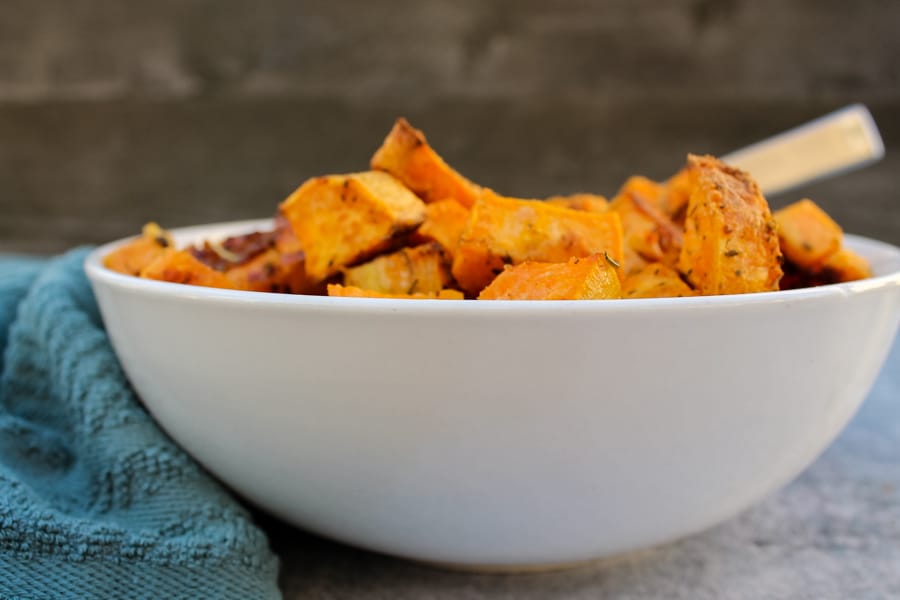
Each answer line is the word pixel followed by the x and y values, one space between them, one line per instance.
pixel 836 143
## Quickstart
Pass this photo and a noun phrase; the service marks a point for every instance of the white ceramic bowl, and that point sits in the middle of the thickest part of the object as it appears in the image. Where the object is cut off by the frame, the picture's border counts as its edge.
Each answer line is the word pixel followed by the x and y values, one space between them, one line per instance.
pixel 501 434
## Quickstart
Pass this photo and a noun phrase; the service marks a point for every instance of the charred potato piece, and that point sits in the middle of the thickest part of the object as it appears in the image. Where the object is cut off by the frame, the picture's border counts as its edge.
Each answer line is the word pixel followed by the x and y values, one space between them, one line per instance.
pixel 344 219
pixel 655 280
pixel 730 239
pixel 807 234
pixel 262 261
pixel 131 258
pixel 180 266
pixel 422 269
pixel 845 265
pixel 503 231
pixel 233 250
pixel 272 271
pixel 590 278
pixel 842 266
pixel 406 155
pixel 343 291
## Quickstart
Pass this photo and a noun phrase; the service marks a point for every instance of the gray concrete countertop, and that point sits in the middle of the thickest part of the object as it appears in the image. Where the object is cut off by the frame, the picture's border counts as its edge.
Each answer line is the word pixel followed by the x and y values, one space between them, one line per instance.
pixel 834 533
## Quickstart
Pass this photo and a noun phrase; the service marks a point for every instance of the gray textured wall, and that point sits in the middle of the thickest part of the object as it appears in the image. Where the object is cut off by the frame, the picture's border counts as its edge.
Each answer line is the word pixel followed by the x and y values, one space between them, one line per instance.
pixel 114 112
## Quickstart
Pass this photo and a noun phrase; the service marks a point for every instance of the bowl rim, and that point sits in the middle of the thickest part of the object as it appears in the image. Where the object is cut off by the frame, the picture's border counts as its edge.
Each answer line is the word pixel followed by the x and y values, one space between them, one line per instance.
pixel 98 273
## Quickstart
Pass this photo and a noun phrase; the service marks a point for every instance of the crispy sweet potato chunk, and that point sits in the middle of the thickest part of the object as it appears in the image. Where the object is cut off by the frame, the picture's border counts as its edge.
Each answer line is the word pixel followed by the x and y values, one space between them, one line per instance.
pixel 807 234
pixel 343 291
pixel 261 261
pixel 180 266
pixel 730 240
pixel 344 219
pixel 655 280
pixel 406 155
pixel 846 265
pixel 272 271
pixel 675 196
pixel 840 267
pixel 233 250
pixel 586 202
pixel 589 278
pixel 646 190
pixel 641 240
pixel 422 269
pixel 286 241
pixel 650 236
pixel 444 223
pixel 131 258
pixel 504 231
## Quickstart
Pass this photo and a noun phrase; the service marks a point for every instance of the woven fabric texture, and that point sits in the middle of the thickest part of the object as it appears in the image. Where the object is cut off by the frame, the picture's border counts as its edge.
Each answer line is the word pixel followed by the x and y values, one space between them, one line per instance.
pixel 95 501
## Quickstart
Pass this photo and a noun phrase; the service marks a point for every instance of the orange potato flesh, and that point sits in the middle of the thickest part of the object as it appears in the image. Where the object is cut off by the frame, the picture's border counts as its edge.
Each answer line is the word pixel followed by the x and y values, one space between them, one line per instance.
pixel 131 258
pixel 444 223
pixel 590 278
pixel 649 234
pixel 505 231
pixel 676 195
pixel 645 189
pixel 272 271
pixel 807 234
pixel 586 202
pixel 655 280
pixel 180 266
pixel 846 265
pixel 406 155
pixel 730 240
pixel 343 219
pixel 343 291
pixel 422 269
pixel 632 262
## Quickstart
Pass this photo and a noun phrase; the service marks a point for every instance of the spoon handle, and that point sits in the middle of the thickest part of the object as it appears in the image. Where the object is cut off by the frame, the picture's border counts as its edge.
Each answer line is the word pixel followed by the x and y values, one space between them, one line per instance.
pixel 838 142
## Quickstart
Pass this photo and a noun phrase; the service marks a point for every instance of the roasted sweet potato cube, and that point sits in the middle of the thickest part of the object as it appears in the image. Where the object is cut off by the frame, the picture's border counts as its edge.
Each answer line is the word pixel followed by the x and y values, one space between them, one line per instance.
pixel 646 190
pixel 808 235
pixel 586 202
pixel 655 280
pixel 272 271
pixel 649 234
pixel 845 265
pixel 730 239
pixel 675 196
pixel 503 231
pixel 131 258
pixel 180 266
pixel 286 241
pixel 444 223
pixel 633 202
pixel 407 271
pixel 344 219
pixel 233 250
pixel 406 155
pixel 589 278
pixel 632 262
pixel 343 291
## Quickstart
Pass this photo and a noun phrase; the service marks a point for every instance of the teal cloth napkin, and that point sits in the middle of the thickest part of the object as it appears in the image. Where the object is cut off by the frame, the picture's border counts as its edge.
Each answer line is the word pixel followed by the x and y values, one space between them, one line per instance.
pixel 95 501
